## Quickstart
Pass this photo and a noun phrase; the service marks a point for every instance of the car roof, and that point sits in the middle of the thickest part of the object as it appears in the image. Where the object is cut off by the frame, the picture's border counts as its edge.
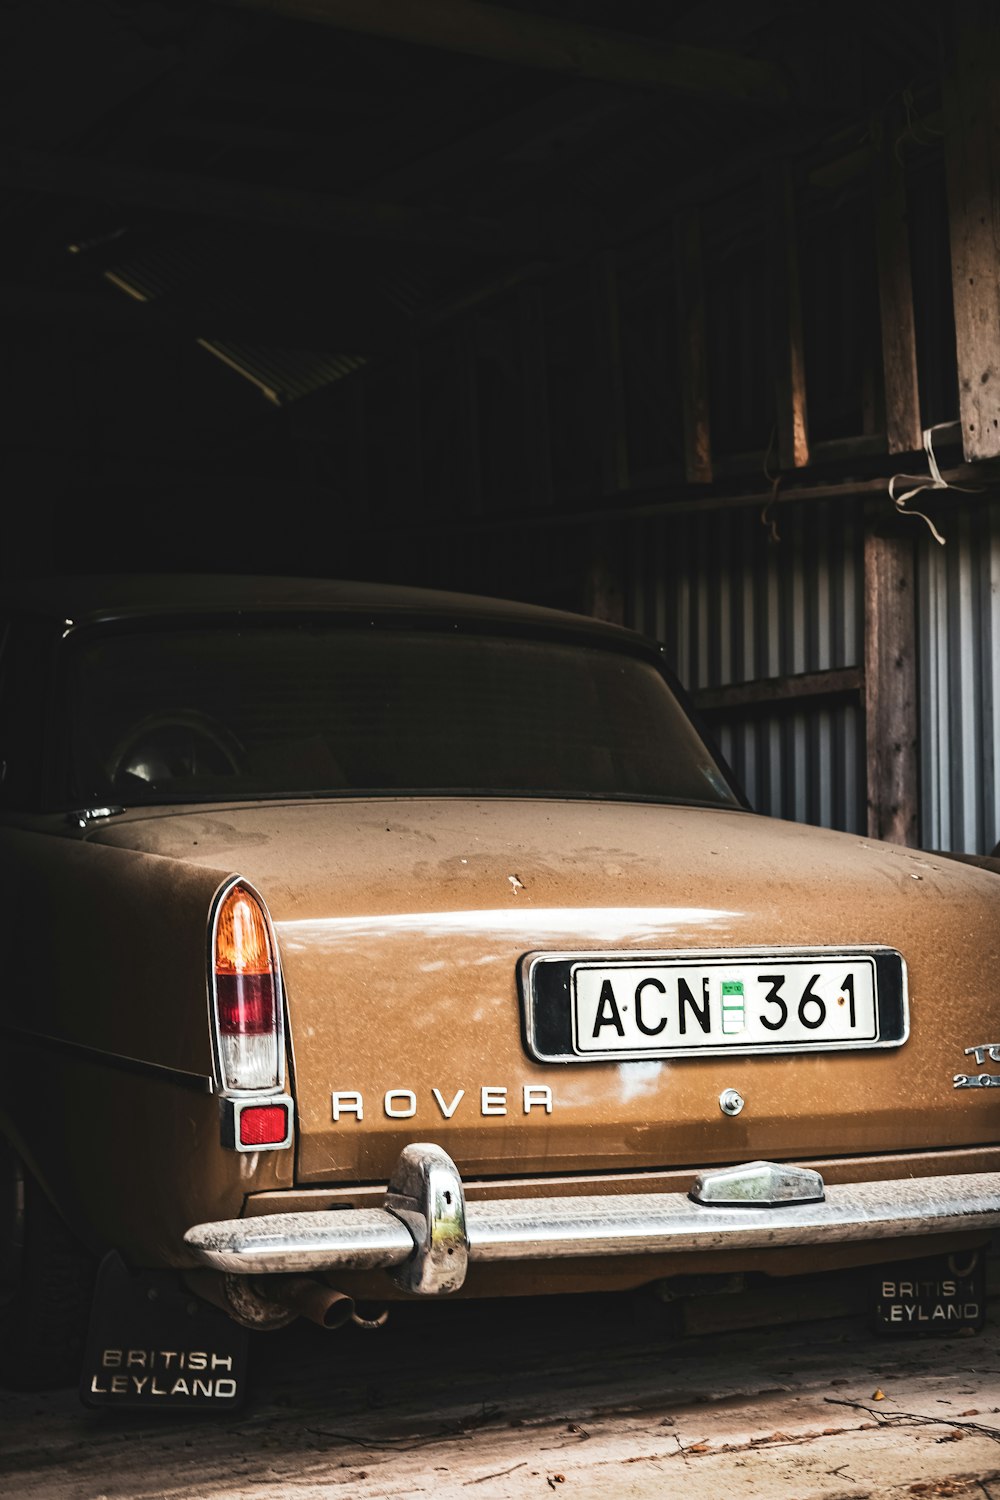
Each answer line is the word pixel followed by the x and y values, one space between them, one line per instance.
pixel 80 600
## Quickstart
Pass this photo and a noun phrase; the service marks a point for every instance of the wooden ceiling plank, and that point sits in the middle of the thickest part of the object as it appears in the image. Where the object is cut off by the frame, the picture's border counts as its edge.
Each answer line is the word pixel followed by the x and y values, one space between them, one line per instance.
pixel 473 28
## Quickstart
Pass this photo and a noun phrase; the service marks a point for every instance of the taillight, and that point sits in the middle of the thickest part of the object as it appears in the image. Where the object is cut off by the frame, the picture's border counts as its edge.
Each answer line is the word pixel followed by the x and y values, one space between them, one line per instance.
pixel 247 994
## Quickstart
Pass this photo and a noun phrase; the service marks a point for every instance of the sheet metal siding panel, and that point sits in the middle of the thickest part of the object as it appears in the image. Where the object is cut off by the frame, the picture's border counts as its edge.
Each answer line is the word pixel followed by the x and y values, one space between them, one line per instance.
pixel 735 597
pixel 958 610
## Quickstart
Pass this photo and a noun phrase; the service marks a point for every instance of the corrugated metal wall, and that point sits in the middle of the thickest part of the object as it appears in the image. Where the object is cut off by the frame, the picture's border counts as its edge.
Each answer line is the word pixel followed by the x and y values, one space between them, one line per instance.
pixel 734 601
pixel 958 605
pixel 733 604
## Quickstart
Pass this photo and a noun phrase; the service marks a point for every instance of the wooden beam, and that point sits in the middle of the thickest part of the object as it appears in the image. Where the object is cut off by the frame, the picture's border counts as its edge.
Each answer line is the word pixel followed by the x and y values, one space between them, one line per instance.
pixel 790 362
pixel 610 388
pixel 537 41
pixel 692 317
pixel 891 716
pixel 183 317
pixel 468 433
pixel 534 396
pixel 972 123
pixel 895 291
pixel 631 507
pixel 267 203
pixel 536 138
pixel 803 689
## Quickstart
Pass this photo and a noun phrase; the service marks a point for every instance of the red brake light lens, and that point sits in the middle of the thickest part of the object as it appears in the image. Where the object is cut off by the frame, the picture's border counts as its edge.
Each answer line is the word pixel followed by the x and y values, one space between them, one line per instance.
pixel 246 993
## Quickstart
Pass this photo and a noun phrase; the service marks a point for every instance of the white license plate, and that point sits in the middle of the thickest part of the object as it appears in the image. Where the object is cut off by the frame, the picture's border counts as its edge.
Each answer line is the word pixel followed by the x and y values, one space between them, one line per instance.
pixel 671 1007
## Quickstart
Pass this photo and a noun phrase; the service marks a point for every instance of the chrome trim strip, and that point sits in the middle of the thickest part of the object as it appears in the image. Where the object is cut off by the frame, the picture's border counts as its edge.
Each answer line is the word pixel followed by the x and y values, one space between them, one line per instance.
pixel 199 1081
pixel 526 1229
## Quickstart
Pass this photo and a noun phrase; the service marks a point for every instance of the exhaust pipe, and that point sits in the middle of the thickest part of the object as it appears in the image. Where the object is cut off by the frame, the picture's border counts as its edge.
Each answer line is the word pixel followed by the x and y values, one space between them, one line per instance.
pixel 316 1301
pixel 270 1302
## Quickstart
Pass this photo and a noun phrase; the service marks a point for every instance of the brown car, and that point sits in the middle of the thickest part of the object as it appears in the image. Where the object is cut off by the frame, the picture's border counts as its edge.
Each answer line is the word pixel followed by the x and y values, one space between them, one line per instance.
pixel 364 943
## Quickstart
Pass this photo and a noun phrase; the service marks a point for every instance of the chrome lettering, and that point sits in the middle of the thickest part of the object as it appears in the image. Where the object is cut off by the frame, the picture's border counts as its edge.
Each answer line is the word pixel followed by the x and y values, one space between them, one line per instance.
pixel 448 1109
pixel 407 1111
pixel 984 1050
pixel 402 1104
pixel 349 1102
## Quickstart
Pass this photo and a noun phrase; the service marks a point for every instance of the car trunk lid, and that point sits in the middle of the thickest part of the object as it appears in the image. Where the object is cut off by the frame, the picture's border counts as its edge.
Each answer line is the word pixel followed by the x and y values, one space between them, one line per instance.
pixel 403 923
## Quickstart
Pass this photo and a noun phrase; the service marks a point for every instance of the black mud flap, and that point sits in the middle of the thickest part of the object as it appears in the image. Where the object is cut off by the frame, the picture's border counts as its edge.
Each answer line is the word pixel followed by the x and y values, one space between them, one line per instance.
pixel 944 1294
pixel 151 1344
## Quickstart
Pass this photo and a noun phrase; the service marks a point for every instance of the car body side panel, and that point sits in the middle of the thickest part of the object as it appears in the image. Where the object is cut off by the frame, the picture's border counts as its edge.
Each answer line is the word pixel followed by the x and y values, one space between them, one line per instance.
pixel 108 948
pixel 104 1017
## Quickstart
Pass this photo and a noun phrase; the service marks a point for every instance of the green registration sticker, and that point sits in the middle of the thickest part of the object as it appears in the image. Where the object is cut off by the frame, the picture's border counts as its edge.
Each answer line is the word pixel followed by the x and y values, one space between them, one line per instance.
pixel 734 1007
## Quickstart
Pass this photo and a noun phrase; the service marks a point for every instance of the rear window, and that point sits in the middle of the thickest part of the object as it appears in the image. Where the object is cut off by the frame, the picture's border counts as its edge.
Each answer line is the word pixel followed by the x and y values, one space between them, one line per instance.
pixel 218 713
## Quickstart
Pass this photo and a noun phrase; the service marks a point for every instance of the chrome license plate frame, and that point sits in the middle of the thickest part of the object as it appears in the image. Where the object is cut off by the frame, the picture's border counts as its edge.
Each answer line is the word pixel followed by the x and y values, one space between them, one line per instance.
pixel 563 993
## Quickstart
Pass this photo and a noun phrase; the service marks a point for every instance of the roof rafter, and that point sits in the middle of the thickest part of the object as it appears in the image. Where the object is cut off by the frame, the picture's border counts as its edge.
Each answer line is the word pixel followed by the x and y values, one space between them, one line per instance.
pixel 267 203
pixel 533 41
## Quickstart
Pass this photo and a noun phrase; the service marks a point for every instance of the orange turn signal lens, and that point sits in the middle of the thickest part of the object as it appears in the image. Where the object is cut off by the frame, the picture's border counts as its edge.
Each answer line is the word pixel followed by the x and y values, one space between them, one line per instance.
pixel 241 941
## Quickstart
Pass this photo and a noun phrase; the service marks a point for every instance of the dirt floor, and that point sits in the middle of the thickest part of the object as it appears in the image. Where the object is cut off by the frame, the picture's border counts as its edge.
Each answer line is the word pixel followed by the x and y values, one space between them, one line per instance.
pixel 590 1398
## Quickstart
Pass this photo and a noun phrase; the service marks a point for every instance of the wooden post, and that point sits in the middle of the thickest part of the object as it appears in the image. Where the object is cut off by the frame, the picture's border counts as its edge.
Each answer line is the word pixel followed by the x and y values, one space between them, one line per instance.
pixel 895 294
pixel 692 325
pixel 972 121
pixel 603 591
pixel 790 363
pixel 891 721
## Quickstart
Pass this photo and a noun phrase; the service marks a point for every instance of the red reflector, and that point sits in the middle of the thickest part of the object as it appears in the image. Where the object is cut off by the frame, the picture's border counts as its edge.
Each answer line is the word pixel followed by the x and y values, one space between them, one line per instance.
pixel 263 1124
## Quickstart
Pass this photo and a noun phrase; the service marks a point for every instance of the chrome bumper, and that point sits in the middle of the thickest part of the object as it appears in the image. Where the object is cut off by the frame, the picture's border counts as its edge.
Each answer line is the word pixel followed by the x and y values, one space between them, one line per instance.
pixel 426 1235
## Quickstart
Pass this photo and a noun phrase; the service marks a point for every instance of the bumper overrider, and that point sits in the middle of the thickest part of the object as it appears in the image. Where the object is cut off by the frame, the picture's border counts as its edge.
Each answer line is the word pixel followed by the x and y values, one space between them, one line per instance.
pixel 425 1235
